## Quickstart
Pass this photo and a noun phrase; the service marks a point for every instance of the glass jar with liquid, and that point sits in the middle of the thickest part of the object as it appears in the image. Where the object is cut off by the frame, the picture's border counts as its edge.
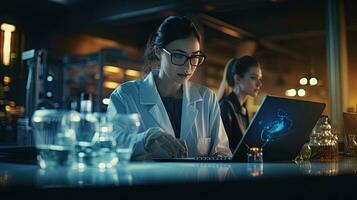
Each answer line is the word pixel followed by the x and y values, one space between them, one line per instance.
pixel 323 142
pixel 255 155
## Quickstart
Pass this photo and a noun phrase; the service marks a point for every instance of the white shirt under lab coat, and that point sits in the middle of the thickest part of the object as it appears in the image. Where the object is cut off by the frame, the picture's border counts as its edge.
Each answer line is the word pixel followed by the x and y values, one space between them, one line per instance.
pixel 201 124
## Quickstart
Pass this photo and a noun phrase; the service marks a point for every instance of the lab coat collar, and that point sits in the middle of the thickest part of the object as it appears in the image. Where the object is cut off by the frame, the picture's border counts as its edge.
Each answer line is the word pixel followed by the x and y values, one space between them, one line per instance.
pixel 191 94
pixel 149 95
pixel 148 91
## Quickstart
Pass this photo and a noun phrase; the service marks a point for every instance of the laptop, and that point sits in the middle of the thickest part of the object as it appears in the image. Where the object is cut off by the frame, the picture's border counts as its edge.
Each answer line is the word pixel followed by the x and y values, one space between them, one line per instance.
pixel 350 129
pixel 350 123
pixel 281 126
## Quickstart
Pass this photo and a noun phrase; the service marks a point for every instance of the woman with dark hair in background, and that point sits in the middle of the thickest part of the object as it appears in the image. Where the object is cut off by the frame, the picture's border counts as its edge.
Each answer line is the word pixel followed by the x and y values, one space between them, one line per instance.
pixel 172 108
pixel 244 47
pixel 247 76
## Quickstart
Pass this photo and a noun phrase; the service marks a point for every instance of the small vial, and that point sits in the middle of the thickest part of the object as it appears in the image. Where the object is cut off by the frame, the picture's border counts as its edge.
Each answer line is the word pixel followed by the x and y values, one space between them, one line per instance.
pixel 255 155
pixel 86 103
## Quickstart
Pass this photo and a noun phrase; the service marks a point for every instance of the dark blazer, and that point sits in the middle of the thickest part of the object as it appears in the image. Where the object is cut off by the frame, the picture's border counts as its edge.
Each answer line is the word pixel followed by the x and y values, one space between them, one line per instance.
pixel 234 118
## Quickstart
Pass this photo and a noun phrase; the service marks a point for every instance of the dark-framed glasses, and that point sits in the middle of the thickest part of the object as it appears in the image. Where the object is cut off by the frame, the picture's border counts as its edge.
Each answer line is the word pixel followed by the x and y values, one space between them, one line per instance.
pixel 180 59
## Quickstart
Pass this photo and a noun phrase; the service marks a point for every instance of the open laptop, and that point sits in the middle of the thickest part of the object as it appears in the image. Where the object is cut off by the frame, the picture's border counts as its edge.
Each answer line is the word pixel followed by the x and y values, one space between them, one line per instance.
pixel 350 129
pixel 281 126
pixel 350 123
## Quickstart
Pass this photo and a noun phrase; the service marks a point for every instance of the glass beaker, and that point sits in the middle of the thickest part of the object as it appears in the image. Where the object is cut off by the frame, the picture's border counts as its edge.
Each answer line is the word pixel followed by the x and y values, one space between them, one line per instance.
pixel 255 155
pixel 55 143
pixel 125 129
pixel 84 135
pixel 255 161
pixel 104 145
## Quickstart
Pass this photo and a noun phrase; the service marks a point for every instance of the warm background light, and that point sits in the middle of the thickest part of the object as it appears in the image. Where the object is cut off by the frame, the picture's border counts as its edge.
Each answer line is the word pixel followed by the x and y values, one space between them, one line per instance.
pixel 290 92
pixel 133 73
pixel 7 28
pixel 313 81
pixel 303 81
pixel 111 84
pixel 112 69
pixel 6 80
pixel 301 92
pixel 230 32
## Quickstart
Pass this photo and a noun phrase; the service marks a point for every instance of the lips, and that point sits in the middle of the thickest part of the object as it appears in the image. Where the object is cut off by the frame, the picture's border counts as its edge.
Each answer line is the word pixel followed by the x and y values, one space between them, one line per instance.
pixel 183 75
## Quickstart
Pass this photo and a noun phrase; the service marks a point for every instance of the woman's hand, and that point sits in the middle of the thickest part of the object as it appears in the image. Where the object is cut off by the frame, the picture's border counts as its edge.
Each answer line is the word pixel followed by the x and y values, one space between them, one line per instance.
pixel 157 138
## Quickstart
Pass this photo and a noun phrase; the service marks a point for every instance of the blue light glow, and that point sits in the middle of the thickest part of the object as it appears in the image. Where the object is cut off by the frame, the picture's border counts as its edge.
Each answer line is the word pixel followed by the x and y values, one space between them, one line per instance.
pixel 278 127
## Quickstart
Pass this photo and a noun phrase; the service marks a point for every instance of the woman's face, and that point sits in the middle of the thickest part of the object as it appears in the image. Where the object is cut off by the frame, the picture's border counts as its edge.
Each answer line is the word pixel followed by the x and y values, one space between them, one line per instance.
pixel 251 82
pixel 178 50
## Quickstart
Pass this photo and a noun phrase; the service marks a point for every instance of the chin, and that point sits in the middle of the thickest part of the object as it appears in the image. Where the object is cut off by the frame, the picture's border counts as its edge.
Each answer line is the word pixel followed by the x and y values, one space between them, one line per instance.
pixel 182 80
pixel 254 94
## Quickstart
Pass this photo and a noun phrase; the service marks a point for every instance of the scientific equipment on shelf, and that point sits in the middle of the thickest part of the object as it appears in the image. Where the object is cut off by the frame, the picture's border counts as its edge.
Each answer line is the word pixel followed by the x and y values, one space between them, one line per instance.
pixel 57 82
pixel 98 74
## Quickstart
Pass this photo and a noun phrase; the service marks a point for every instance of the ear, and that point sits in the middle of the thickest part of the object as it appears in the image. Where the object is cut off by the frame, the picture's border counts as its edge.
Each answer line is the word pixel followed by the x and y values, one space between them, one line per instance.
pixel 237 78
pixel 157 52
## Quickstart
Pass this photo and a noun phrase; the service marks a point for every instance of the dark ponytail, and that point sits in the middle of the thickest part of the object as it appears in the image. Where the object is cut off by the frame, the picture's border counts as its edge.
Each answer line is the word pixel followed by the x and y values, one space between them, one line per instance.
pixel 150 58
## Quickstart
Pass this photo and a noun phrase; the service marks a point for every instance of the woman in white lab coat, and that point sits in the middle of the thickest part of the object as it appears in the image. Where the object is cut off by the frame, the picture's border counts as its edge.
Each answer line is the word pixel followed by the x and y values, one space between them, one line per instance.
pixel 178 117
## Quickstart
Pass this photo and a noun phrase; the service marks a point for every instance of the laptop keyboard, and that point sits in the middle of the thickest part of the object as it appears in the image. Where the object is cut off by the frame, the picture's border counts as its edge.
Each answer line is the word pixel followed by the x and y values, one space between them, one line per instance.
pixel 208 158
pixel 195 159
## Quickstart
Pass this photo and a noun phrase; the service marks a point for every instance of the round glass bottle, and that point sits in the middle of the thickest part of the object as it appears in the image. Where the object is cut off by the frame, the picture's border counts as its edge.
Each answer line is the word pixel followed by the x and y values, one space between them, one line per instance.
pixel 323 142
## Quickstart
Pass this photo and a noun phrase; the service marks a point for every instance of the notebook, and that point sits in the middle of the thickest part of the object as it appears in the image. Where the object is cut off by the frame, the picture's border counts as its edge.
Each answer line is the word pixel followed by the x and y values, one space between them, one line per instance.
pixel 280 126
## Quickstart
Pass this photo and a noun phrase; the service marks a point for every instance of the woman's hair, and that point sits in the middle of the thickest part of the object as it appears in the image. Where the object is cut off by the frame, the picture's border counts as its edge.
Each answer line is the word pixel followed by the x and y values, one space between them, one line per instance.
pixel 234 66
pixel 240 66
pixel 227 82
pixel 228 72
pixel 172 28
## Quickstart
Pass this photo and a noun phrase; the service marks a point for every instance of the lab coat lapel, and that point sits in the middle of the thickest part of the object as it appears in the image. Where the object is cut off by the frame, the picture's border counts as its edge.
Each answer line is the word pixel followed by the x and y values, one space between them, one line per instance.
pixel 150 97
pixel 189 109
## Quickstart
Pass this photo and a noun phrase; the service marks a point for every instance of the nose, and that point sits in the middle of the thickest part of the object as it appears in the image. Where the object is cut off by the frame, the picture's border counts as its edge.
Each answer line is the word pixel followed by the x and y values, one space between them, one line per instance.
pixel 188 67
pixel 260 83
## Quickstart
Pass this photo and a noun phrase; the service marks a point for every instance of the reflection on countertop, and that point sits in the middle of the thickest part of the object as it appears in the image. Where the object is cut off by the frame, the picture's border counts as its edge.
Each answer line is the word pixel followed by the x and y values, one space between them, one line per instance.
pixel 142 173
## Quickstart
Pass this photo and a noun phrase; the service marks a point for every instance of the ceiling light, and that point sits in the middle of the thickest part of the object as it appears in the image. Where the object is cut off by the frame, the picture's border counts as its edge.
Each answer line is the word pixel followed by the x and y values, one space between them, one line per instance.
pixel 313 81
pixel 290 92
pixel 303 81
pixel 301 92
pixel 8 29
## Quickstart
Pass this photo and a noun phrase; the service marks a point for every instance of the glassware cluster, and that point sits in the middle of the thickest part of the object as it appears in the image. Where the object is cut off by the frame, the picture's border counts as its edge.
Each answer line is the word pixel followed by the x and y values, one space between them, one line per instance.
pixel 70 138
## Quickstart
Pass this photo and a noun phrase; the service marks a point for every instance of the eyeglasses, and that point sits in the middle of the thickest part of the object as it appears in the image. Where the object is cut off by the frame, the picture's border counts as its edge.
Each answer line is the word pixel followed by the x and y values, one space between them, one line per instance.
pixel 180 59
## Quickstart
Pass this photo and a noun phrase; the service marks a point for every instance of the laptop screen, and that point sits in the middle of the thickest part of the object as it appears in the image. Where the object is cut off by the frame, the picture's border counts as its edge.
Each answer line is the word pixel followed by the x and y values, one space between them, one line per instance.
pixel 281 126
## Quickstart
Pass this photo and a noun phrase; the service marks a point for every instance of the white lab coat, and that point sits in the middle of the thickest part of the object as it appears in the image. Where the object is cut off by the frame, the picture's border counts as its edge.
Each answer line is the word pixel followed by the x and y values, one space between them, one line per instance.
pixel 201 124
